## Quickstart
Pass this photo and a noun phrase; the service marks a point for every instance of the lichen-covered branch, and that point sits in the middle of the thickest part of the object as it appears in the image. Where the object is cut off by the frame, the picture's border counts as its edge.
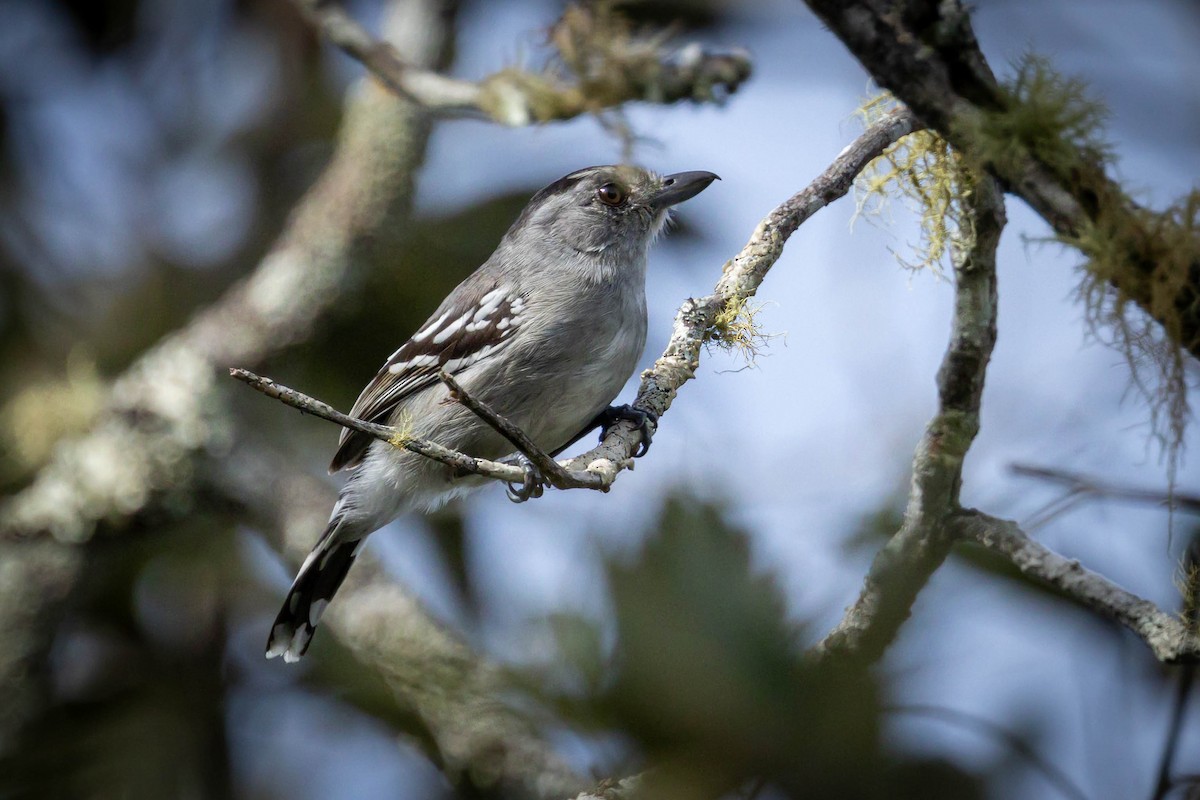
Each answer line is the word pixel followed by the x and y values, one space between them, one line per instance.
pixel 697 320
pixel 1165 634
pixel 1036 135
pixel 610 65
pixel 905 564
pixel 166 411
pixel 457 693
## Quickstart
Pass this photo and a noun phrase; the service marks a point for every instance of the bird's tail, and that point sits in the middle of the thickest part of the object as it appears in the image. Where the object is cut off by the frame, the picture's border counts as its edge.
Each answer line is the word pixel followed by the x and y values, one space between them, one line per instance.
pixel 318 580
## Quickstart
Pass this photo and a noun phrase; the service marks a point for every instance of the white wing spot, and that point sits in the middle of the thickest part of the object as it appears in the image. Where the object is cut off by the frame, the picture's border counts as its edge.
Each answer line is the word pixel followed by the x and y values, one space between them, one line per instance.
pixel 458 364
pixel 450 329
pixel 279 644
pixel 428 329
pixel 503 324
pixel 415 361
pixel 494 296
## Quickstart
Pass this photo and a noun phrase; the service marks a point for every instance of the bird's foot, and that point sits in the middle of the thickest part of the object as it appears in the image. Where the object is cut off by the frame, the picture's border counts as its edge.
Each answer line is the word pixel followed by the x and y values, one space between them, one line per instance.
pixel 532 485
pixel 646 423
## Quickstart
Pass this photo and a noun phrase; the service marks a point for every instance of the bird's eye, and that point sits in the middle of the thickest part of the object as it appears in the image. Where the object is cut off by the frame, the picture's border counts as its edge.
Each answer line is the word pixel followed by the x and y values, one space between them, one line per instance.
pixel 611 194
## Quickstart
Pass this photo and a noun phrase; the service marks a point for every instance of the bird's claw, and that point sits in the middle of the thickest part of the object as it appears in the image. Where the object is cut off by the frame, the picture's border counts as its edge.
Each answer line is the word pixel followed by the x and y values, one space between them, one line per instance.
pixel 645 422
pixel 531 486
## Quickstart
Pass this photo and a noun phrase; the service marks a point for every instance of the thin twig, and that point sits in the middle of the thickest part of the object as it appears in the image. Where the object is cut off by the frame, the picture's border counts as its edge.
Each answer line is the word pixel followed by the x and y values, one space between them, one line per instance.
pixel 551 470
pixel 1078 482
pixel 1186 680
pixel 952 716
pixel 387 433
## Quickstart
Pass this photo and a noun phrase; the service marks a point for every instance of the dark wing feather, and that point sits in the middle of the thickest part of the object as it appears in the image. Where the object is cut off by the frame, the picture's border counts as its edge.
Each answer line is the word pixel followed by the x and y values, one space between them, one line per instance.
pixel 467 328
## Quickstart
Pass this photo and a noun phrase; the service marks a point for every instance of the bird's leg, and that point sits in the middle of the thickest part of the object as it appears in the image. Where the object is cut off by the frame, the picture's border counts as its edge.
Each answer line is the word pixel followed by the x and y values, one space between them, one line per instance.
pixel 646 423
pixel 534 483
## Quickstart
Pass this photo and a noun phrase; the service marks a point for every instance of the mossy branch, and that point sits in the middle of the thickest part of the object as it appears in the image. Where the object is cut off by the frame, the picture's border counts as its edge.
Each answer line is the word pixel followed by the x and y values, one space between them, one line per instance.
pixel 600 62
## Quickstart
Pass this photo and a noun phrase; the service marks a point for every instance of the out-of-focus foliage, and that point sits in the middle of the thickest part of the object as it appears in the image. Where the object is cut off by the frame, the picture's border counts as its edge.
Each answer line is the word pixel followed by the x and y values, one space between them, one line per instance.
pixel 709 680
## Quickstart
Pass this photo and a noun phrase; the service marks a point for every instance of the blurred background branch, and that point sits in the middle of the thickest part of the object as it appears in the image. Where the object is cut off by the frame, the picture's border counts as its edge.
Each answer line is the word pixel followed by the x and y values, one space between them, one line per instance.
pixel 1080 487
pixel 611 66
pixel 166 411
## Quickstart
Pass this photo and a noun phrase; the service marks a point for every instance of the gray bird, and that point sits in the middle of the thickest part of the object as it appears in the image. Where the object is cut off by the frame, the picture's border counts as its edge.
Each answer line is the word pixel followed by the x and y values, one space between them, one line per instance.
pixel 546 332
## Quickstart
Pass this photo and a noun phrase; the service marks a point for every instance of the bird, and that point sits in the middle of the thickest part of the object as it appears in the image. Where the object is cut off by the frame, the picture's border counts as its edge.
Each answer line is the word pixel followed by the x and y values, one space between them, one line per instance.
pixel 547 331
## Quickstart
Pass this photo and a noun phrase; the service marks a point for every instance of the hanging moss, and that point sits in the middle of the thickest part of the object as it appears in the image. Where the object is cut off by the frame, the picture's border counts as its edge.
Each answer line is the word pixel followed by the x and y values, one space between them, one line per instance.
pixel 1137 285
pixel 930 178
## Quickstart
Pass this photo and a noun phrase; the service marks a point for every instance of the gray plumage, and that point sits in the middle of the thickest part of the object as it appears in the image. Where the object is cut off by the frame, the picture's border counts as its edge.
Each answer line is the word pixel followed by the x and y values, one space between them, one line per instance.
pixel 546 332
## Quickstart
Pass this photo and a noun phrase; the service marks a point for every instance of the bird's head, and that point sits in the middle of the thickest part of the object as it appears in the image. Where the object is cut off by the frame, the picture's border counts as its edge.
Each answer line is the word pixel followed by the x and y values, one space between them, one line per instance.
pixel 609 213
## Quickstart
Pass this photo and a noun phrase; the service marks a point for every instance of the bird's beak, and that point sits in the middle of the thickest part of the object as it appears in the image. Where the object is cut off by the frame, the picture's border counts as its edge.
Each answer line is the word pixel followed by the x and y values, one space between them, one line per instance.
pixel 681 186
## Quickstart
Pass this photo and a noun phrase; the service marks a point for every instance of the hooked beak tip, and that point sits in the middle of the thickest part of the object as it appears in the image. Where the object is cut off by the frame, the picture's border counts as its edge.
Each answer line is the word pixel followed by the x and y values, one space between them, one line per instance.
pixel 682 186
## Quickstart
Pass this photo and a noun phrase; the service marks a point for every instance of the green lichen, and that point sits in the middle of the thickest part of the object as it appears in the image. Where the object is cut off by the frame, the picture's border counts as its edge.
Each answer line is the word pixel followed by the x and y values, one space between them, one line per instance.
pixel 929 177
pixel 403 431
pixel 736 329
pixel 1136 283
pixel 1139 262
pixel 1044 114
pixel 1187 581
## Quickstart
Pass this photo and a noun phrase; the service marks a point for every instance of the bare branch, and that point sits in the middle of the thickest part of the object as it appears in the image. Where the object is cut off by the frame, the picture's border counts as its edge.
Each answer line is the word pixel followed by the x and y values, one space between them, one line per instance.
pixel 612 67
pixel 396 437
pixel 549 468
pixel 905 564
pixel 431 89
pixel 1166 635
pixel 1077 483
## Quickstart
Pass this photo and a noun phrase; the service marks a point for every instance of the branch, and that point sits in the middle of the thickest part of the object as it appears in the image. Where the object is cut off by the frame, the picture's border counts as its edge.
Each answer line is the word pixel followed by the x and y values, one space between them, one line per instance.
pixel 741 276
pixel 926 54
pixel 550 469
pixel 1079 483
pixel 611 66
pixel 905 564
pixel 457 693
pixel 396 437
pixel 1166 635
pixel 166 411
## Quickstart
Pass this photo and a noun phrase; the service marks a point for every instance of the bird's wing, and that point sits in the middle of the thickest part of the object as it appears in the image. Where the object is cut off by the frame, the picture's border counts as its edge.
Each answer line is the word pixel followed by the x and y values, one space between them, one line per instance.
pixel 468 328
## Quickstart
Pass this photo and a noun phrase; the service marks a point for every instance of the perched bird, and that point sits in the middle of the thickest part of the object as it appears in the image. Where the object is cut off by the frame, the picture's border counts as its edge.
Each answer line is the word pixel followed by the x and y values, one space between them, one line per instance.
pixel 546 332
